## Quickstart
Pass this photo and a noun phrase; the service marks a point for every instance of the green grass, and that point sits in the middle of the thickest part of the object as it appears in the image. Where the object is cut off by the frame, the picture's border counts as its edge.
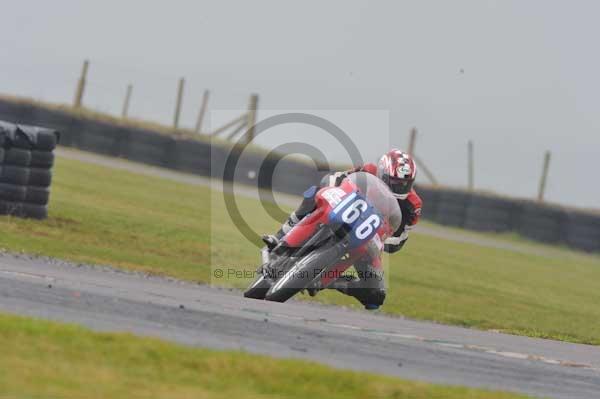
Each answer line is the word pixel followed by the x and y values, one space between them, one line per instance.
pixel 41 359
pixel 104 216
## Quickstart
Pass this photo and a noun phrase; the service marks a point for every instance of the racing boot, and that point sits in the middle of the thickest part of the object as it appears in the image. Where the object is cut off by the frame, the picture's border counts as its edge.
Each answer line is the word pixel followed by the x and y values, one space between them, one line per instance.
pixel 369 289
pixel 270 241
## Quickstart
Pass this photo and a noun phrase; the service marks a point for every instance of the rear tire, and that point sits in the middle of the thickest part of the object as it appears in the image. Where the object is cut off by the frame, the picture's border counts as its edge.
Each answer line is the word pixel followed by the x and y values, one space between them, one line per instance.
pixel 35 211
pixel 9 208
pixel 22 210
pixel 14 175
pixel 40 177
pixel 17 157
pixel 11 192
pixel 42 159
pixel 46 140
pixel 37 195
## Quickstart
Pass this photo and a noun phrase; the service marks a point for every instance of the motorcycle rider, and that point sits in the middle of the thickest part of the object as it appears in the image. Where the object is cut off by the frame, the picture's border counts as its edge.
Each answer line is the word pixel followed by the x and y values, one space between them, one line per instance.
pixel 395 168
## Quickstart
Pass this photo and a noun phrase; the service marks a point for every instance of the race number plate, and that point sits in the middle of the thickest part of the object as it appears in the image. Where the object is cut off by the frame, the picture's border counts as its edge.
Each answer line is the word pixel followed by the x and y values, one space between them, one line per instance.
pixel 362 218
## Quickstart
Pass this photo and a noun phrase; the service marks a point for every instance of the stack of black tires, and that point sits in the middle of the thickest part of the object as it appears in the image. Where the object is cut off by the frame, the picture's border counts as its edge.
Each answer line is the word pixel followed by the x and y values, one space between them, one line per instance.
pixel 26 160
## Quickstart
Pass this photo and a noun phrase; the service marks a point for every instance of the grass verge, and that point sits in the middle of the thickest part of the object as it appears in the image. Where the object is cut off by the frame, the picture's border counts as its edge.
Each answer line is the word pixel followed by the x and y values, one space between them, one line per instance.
pixel 100 215
pixel 42 359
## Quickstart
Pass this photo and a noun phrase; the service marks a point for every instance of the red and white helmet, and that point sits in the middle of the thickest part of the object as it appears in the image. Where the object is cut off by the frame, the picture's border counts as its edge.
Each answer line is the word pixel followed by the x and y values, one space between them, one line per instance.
pixel 398 170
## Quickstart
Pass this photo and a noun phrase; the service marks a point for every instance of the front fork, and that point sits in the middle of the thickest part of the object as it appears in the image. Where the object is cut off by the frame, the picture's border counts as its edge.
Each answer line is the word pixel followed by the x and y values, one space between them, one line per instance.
pixel 322 234
pixel 265 255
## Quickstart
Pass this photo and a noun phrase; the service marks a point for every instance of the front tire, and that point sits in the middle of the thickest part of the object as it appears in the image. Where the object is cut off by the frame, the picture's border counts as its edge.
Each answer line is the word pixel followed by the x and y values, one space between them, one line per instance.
pixel 305 271
pixel 258 289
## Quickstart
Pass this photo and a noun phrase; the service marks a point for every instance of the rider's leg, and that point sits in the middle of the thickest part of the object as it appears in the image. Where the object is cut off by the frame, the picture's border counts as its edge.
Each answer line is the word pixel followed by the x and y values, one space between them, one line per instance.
pixel 306 206
pixel 369 287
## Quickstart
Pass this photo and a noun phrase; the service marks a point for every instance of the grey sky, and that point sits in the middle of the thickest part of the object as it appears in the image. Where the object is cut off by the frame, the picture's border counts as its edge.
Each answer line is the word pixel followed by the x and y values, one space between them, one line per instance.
pixel 530 80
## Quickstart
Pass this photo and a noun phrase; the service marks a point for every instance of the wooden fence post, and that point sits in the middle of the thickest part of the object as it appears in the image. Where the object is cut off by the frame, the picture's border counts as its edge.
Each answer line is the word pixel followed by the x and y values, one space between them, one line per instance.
pixel 125 111
pixel 471 166
pixel 240 119
pixel 178 103
pixel 81 85
pixel 543 179
pixel 236 131
pixel 412 141
pixel 202 111
pixel 426 170
pixel 251 121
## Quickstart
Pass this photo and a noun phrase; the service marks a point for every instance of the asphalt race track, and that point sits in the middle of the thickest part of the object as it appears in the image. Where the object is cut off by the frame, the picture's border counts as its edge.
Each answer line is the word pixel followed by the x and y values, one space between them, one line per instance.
pixel 108 300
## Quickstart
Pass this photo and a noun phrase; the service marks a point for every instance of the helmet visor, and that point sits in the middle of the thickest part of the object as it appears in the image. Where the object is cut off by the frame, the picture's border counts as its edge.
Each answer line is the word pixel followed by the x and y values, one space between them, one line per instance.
pixel 399 186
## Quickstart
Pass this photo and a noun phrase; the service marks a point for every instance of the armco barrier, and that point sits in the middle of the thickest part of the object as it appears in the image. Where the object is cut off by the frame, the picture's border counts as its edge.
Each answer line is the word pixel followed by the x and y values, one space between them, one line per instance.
pixel 193 156
pixel 451 207
pixel 486 212
pixel 146 147
pixel 542 223
pixel 97 137
pixel 489 213
pixel 582 231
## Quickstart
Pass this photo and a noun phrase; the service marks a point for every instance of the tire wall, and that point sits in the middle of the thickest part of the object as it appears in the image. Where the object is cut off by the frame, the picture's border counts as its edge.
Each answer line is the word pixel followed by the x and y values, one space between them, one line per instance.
pixel 157 149
pixel 451 207
pixel 26 161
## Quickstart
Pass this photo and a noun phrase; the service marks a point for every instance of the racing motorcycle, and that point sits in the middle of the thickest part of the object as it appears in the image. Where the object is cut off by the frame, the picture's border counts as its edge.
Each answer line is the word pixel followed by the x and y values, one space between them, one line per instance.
pixel 350 221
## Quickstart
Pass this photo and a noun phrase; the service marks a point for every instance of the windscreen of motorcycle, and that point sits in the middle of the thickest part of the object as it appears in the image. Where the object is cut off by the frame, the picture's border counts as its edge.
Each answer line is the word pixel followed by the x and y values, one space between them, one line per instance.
pixel 380 196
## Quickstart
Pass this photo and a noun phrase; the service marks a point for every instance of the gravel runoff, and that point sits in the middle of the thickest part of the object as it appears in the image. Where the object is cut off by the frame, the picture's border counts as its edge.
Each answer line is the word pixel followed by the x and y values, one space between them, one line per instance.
pixel 106 299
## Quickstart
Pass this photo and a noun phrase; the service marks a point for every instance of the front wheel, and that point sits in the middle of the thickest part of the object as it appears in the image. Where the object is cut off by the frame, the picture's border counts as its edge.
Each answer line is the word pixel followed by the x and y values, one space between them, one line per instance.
pixel 258 289
pixel 304 272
